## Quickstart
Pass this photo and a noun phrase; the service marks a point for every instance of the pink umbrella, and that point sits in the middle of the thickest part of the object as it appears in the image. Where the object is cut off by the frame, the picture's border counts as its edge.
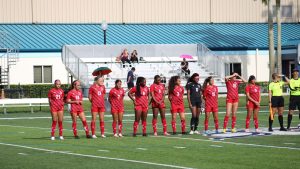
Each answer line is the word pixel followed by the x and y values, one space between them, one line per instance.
pixel 186 56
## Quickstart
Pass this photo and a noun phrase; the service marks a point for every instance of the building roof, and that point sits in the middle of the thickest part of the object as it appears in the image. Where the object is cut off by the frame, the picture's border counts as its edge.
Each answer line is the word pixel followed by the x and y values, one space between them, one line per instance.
pixel 51 37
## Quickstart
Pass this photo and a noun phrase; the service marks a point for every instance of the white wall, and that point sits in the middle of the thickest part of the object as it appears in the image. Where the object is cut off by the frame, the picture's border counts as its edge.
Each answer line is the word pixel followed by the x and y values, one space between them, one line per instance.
pixel 22 72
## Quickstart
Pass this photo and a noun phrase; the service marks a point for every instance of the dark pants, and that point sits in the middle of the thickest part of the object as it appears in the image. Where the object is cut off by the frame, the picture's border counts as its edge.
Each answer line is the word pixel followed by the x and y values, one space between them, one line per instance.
pixel 125 60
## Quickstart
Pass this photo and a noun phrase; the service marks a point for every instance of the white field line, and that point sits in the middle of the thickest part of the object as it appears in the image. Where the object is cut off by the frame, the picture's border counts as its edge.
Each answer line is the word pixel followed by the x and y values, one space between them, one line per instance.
pixel 94 156
pixel 24 154
pixel 179 147
pixel 233 143
pixel 104 151
pixel 216 146
pixel 144 149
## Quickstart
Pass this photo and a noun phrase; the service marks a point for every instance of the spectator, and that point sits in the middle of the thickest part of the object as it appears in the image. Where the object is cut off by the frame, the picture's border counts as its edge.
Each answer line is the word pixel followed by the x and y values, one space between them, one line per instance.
pixel 185 67
pixel 124 57
pixel 130 78
pixel 134 57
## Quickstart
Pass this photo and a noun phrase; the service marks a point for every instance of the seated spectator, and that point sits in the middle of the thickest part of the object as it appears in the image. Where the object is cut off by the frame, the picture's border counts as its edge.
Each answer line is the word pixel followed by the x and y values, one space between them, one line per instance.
pixel 134 57
pixel 125 57
pixel 185 67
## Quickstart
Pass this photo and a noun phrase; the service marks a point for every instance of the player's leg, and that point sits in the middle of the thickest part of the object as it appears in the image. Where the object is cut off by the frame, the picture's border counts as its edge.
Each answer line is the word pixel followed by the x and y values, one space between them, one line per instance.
pixel 292 107
pixel 207 114
pixel 144 121
pixel 60 115
pixel 114 123
pixel 280 119
pixel 53 126
pixel 102 124
pixel 228 111
pixel 216 121
pixel 162 112
pixel 154 120
pixel 193 118
pixel 248 118
pixel 85 125
pixel 93 123
pixel 137 119
pixel 120 123
pixel 182 119
pixel 173 122
pixel 198 111
pixel 233 118
pixel 255 119
pixel 74 124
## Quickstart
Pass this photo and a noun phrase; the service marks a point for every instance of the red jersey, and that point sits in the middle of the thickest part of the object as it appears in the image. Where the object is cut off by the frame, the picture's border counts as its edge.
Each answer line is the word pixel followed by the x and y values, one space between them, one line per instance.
pixel 159 91
pixel 211 96
pixel 177 95
pixel 97 92
pixel 254 91
pixel 141 100
pixel 233 89
pixel 56 97
pixel 75 95
pixel 116 97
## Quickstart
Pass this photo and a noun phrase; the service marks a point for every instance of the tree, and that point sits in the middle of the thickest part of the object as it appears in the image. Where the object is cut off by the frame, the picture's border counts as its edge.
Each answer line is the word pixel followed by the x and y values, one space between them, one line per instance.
pixel 278 20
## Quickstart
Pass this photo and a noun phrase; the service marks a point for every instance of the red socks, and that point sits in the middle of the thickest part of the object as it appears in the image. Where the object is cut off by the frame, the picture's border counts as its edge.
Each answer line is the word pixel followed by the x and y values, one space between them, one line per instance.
pixel 120 126
pixel 74 127
pixel 60 126
pixel 53 127
pixel 93 127
pixel 183 126
pixel 164 122
pixel 206 124
pixel 255 123
pixel 86 127
pixel 233 118
pixel 135 126
pixel 154 125
pixel 102 127
pixel 173 126
pixel 247 122
pixel 144 124
pixel 225 122
pixel 114 126
pixel 216 124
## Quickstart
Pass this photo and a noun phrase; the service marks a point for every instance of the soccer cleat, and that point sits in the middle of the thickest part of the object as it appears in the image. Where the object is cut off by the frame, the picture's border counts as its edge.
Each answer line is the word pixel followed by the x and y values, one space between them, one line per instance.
pixel 216 131
pixel 76 137
pixel 282 129
pixel 298 126
pixel 103 136
pixel 133 135
pixel 196 132
pixel 233 130
pixel 191 132
pixel 174 133
pixel 166 134
pixel 155 134
pixel 257 131
pixel 52 138
pixel 247 130
pixel 61 137
pixel 88 136
pixel 271 130
pixel 116 135
pixel 144 134
pixel 224 130
pixel 94 136
pixel 183 133
pixel 206 133
pixel 120 135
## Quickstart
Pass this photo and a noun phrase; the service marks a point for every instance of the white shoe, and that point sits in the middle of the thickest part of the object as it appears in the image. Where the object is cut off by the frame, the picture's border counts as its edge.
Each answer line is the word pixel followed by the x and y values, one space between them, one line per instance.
pixel 103 136
pixel 257 130
pixel 52 138
pixel 196 132
pixel 191 132
pixel 298 126
pixel 166 134
pixel 155 134
pixel 94 136
pixel 247 130
pixel 61 137
pixel 120 135
pixel 116 135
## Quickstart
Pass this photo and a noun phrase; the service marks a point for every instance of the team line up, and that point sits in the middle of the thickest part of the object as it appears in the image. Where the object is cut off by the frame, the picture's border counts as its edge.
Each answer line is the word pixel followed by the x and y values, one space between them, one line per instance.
pixel 199 97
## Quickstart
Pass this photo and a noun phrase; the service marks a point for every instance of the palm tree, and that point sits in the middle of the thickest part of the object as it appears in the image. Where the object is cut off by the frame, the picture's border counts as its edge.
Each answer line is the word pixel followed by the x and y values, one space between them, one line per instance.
pixel 278 20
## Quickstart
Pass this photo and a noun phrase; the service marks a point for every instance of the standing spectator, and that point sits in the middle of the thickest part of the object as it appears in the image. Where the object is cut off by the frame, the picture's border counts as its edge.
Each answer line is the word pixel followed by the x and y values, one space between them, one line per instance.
pixel 130 78
pixel 125 57
pixel 185 67
pixel 134 57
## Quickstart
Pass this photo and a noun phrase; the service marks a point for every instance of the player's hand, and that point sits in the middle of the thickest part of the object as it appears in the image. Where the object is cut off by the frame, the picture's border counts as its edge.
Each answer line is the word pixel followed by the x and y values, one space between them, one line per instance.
pixel 257 103
pixel 134 102
pixel 190 105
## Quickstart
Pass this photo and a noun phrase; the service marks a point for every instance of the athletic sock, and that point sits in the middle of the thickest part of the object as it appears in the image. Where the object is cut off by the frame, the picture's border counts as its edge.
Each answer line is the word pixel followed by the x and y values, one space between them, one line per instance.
pixel 86 127
pixel 270 122
pixel 114 126
pixel 206 124
pixel 74 127
pixel 53 127
pixel 225 122
pixel 216 124
pixel 233 122
pixel 135 126
pixel 144 124
pixel 183 126
pixel 192 123
pixel 164 123
pixel 120 124
pixel 154 125
pixel 290 117
pixel 60 126
pixel 173 126
pixel 255 119
pixel 247 122
pixel 280 119
pixel 196 123
pixel 102 127
pixel 93 126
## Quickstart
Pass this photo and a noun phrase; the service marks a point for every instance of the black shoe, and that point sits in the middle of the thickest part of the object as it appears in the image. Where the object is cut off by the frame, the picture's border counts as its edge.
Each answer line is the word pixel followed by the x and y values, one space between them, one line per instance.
pixel 270 130
pixel 133 135
pixel 174 133
pixel 282 129
pixel 144 134
pixel 183 133
pixel 76 137
pixel 88 136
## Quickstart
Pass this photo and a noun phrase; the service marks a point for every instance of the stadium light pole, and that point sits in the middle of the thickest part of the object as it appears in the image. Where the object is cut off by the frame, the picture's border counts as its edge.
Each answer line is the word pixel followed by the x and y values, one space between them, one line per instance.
pixel 104 27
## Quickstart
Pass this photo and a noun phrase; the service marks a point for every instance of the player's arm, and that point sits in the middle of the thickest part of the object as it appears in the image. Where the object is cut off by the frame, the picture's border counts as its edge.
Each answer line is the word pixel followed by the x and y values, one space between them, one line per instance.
pixel 241 79
pixel 49 98
pixel 250 98
pixel 270 96
pixel 228 77
pixel 109 96
pixel 131 95
pixel 188 98
pixel 152 97
pixel 287 80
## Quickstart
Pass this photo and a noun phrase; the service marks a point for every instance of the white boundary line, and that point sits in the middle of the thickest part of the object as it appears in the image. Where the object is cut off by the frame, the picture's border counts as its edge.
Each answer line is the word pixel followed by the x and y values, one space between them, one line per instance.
pixel 94 156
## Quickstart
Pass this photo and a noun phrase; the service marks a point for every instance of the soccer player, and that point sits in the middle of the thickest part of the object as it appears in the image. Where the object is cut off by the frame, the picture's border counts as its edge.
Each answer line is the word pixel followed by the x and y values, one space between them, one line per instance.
pixel 140 96
pixel 232 99
pixel 294 96
pixel 175 96
pixel 210 95
pixel 157 92
pixel 56 102
pixel 276 100
pixel 96 96
pixel 116 99
pixel 194 97
pixel 74 98
pixel 253 103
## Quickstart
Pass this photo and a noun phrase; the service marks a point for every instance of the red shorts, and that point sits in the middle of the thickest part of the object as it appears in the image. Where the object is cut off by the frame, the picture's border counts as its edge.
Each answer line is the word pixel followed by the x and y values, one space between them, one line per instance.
pixel 77 109
pixel 56 109
pixel 76 112
pixel 117 110
pixel 97 109
pixel 160 106
pixel 229 100
pixel 141 108
pixel 177 108
pixel 211 109
pixel 251 105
